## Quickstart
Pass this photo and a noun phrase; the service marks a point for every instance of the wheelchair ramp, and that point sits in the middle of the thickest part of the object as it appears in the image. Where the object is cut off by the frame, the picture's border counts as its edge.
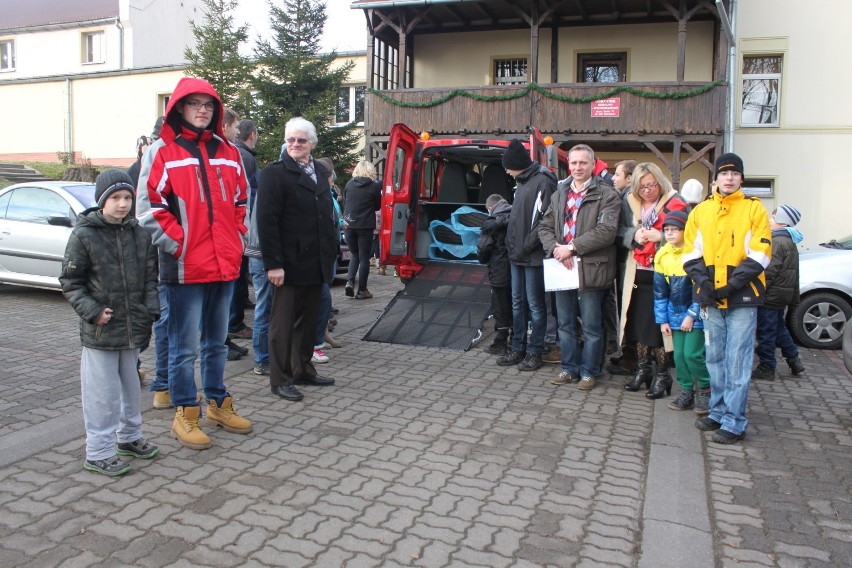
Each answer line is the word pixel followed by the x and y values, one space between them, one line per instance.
pixel 445 306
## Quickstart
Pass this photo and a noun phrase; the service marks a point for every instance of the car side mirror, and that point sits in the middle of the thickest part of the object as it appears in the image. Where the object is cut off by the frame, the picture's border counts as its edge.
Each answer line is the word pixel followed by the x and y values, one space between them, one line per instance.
pixel 60 221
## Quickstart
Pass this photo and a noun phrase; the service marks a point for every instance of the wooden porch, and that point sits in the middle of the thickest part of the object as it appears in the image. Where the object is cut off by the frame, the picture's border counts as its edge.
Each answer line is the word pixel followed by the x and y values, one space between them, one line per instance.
pixel 638 115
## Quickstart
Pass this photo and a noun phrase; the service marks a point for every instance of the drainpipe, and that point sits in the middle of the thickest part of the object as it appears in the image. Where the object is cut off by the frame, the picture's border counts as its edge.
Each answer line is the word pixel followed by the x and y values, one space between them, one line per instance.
pixel 730 26
pixel 120 43
pixel 68 118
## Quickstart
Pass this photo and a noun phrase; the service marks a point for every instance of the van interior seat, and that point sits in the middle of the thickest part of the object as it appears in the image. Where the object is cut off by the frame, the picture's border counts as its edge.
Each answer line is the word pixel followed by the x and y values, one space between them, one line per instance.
pixel 495 180
pixel 453 188
pixel 474 186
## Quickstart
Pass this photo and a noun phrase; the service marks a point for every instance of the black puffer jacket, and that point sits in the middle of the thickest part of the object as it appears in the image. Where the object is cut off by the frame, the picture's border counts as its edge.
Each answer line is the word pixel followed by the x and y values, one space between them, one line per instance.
pixel 782 274
pixel 111 266
pixel 535 186
pixel 362 198
pixel 491 246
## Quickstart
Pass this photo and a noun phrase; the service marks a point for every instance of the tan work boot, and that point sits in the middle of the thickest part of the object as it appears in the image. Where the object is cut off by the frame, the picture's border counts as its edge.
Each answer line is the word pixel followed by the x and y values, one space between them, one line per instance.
pixel 226 417
pixel 162 399
pixel 187 430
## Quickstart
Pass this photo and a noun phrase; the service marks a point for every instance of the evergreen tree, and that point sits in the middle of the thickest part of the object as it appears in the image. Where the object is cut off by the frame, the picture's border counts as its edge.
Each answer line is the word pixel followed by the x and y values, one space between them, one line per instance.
pixel 216 56
pixel 294 79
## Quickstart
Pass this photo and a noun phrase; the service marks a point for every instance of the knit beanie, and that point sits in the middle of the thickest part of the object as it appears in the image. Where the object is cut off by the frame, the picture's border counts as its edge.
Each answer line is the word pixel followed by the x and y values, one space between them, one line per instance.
pixel 517 157
pixel 110 181
pixel 727 162
pixel 692 191
pixel 675 219
pixel 787 215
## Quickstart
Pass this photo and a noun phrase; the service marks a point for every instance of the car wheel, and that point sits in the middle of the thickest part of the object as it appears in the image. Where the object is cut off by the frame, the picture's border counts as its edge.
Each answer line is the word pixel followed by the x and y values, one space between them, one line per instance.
pixel 817 322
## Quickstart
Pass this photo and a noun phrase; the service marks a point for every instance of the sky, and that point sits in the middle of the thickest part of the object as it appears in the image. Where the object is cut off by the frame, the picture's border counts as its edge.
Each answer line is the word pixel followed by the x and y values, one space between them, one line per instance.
pixel 345 29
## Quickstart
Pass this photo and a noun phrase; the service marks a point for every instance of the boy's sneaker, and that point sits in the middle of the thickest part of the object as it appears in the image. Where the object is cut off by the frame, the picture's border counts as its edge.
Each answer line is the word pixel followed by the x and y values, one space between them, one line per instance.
pixel 349 289
pixel 511 358
pixel 112 467
pixel 531 362
pixel 702 402
pixel 140 448
pixel 319 356
pixel 685 401
pixel 261 369
pixel 795 365
pixel 763 372
pixel 707 424
pixel 726 437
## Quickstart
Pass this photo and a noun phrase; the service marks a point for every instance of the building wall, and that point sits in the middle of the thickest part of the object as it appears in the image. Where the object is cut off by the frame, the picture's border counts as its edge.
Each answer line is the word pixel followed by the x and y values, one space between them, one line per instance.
pixel 804 155
pixel 651 53
pixel 159 30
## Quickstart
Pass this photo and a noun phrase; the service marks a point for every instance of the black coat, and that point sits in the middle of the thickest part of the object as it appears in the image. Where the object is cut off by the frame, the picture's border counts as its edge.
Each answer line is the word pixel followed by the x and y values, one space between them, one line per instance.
pixel 362 198
pixel 535 186
pixel 782 274
pixel 295 221
pixel 491 246
pixel 112 266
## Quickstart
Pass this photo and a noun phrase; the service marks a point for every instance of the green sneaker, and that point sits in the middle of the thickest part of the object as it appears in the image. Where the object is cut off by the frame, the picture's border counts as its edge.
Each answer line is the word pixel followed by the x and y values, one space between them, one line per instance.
pixel 112 467
pixel 140 448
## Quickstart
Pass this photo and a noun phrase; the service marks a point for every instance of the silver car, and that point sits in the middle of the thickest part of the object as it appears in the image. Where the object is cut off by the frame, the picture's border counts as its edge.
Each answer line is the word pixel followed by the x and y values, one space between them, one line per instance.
pixel 36 219
pixel 825 282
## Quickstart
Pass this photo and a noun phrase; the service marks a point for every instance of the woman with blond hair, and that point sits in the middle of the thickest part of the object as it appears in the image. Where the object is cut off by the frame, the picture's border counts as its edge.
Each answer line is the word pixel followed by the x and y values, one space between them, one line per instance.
pixel 362 198
pixel 643 211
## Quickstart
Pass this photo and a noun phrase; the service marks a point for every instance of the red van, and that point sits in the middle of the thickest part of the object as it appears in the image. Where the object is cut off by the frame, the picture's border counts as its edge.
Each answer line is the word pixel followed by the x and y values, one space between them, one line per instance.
pixel 428 179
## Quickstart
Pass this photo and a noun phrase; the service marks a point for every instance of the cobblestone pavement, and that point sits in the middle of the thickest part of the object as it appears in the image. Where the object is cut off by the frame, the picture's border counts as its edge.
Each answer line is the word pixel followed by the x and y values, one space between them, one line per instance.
pixel 420 457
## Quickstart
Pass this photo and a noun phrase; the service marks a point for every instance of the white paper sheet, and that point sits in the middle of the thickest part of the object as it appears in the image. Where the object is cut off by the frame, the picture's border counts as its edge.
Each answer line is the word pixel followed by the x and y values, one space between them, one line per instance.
pixel 557 277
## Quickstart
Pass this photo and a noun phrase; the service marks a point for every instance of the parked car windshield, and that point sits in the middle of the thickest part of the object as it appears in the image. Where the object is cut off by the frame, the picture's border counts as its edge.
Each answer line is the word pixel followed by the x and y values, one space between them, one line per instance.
pixel 844 243
pixel 85 194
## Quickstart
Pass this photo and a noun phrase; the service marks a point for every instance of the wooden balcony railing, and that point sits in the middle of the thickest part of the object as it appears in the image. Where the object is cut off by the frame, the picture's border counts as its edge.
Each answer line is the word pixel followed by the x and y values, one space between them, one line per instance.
pixel 700 114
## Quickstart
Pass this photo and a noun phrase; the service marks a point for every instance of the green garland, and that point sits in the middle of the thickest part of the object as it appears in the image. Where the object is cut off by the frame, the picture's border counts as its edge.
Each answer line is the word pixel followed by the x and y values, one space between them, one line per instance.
pixel 544 92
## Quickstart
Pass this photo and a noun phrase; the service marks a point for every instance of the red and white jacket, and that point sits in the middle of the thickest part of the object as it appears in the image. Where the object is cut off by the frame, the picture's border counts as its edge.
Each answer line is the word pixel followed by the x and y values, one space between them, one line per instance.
pixel 192 196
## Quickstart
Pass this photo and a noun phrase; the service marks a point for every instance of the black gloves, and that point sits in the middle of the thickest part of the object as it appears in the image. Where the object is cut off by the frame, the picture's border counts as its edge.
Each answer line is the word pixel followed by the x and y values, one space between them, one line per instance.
pixel 704 294
pixel 721 293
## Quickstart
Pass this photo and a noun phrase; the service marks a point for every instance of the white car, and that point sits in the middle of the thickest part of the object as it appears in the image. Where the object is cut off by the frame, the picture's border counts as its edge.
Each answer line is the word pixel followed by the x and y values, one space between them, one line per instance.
pixel 36 219
pixel 825 283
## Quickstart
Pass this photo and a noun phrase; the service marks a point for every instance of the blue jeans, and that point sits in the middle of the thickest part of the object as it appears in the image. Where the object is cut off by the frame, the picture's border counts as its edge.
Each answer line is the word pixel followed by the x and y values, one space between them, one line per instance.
pixel 193 307
pixel 771 333
pixel 588 306
pixel 360 243
pixel 161 343
pixel 325 313
pixel 528 293
pixel 262 301
pixel 729 342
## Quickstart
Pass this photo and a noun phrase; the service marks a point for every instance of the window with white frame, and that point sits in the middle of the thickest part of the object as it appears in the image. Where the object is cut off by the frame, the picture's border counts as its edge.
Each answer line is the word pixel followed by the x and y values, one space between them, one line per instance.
pixel 7 55
pixel 93 47
pixel 759 187
pixel 761 90
pixel 510 71
pixel 350 104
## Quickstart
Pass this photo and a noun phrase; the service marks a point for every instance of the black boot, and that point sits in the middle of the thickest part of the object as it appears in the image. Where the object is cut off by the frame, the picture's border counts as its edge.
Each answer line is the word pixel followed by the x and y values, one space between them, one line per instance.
pixel 499 345
pixel 795 365
pixel 661 386
pixel 644 374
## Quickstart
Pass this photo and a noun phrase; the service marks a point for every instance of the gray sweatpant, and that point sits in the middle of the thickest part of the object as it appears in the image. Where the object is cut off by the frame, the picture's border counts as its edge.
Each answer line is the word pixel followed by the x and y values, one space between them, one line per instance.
pixel 111 400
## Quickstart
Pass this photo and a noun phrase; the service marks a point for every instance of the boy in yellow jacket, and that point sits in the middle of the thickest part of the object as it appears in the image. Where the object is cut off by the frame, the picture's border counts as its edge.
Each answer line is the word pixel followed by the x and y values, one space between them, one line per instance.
pixel 728 246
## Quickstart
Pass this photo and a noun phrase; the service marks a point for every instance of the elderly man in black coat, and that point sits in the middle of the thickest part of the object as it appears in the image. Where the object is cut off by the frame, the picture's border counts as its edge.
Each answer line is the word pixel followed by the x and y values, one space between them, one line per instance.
pixel 298 241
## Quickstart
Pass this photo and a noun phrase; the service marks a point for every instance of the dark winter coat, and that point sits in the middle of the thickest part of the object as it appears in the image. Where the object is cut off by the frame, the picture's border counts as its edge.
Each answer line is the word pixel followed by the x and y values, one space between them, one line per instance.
pixel 111 266
pixel 596 226
pixel 295 221
pixel 782 274
pixel 362 198
pixel 491 246
pixel 535 186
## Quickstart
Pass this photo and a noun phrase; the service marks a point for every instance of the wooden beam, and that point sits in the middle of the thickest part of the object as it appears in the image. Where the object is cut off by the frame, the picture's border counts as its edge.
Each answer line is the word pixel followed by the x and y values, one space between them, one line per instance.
pixel 676 167
pixel 681 42
pixel 658 154
pixel 554 52
pixel 696 155
pixel 532 66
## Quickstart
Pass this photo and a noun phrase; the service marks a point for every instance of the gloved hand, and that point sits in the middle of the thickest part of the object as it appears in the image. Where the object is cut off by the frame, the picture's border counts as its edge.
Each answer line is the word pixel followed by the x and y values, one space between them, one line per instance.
pixel 704 294
pixel 721 293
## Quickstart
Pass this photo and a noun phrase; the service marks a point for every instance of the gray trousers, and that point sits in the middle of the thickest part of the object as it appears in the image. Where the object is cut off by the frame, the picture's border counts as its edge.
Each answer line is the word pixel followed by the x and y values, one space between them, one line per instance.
pixel 111 400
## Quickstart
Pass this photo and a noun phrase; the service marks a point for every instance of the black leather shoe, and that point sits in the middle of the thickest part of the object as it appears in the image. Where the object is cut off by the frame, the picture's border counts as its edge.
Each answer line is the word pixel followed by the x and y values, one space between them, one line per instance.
pixel 288 392
pixel 511 358
pixel 317 381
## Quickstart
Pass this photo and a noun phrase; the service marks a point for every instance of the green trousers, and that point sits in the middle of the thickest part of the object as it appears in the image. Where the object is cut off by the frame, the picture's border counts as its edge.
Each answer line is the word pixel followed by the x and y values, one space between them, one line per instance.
pixel 689 359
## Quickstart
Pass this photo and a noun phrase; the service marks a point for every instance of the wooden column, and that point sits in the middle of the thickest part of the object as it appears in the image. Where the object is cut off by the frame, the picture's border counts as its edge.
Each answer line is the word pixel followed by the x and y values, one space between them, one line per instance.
pixel 554 53
pixel 532 68
pixel 681 41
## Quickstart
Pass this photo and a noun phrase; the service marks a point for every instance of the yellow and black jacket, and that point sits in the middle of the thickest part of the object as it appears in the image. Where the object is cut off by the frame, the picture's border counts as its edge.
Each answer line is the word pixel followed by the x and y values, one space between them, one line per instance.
pixel 728 244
